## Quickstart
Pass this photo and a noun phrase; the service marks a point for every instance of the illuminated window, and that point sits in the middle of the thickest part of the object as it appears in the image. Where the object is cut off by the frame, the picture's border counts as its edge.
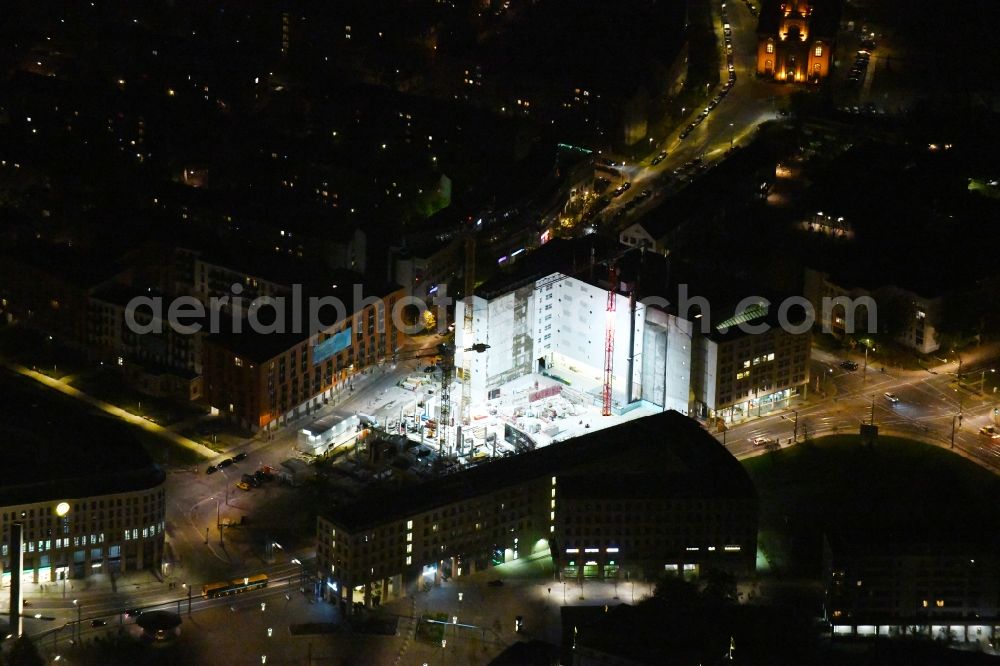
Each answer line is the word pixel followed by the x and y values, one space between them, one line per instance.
pixel 939 603
pixel 819 51
pixel 770 47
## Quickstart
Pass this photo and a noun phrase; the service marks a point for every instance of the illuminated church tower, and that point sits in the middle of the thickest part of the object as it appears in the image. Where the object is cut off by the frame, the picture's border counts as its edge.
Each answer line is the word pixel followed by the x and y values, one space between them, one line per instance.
pixel 795 39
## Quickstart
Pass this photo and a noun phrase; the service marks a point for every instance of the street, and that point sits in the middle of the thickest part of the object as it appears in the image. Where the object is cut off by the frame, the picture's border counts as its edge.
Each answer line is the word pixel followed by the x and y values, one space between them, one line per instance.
pixel 929 402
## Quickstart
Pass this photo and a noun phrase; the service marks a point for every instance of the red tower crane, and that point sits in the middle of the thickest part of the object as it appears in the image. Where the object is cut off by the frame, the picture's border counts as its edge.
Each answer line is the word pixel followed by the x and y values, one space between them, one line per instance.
pixel 609 339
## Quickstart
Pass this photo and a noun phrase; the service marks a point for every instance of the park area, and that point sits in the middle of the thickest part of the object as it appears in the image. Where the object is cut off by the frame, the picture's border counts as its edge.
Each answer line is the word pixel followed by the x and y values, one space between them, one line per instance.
pixel 899 489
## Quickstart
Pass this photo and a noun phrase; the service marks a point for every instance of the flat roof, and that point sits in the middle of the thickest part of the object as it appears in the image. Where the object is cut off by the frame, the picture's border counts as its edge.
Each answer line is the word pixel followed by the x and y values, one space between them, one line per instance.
pixel 324 424
pixel 69 263
pixel 263 346
pixel 686 461
pixel 55 448
pixel 570 256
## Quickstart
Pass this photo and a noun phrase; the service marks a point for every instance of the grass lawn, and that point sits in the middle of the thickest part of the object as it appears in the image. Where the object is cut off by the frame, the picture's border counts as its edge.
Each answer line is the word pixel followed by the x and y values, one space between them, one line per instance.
pixel 432 632
pixel 165 452
pixel 901 488
pixel 39 352
pixel 109 386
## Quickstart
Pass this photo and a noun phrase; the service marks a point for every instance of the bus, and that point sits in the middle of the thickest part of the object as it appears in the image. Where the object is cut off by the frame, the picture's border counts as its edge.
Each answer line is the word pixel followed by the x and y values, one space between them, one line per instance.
pixel 234 586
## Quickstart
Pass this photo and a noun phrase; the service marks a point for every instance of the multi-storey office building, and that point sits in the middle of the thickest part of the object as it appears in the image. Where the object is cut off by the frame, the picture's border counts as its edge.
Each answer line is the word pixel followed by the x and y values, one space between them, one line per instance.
pixel 651 495
pixel 97 505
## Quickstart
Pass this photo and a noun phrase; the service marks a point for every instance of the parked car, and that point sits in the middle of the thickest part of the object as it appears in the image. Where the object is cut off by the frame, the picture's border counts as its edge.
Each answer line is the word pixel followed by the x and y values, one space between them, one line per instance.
pixel 98 623
pixel 211 469
pixel 240 456
pixel 132 612
pixel 225 463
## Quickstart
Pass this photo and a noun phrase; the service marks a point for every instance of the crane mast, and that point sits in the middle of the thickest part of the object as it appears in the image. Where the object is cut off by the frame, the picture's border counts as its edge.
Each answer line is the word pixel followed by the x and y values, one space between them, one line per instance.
pixel 609 340
pixel 467 329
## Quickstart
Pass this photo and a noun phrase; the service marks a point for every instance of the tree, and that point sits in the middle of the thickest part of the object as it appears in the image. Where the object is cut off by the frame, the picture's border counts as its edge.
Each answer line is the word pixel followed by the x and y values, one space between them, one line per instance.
pixel 24 653
pixel 896 312
pixel 719 585
pixel 676 592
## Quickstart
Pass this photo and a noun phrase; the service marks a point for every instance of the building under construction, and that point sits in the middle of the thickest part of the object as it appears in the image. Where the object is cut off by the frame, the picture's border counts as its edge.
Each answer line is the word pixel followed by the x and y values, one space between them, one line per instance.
pixel 611 328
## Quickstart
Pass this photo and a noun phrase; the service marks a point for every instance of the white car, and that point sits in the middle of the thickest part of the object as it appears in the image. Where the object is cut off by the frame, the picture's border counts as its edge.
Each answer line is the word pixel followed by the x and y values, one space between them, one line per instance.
pixel 891 397
pixel 760 441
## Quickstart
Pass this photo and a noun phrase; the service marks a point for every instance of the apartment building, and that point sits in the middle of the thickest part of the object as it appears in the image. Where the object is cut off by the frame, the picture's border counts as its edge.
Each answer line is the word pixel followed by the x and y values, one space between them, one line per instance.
pixel 652 495
pixel 262 378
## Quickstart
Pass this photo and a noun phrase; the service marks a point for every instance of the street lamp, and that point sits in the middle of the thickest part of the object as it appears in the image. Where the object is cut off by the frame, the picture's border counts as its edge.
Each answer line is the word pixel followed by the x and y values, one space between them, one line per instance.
pixel 732 135
pixel 982 380
pixel 79 617
pixel 864 371
pixel 795 427
pixel 302 570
